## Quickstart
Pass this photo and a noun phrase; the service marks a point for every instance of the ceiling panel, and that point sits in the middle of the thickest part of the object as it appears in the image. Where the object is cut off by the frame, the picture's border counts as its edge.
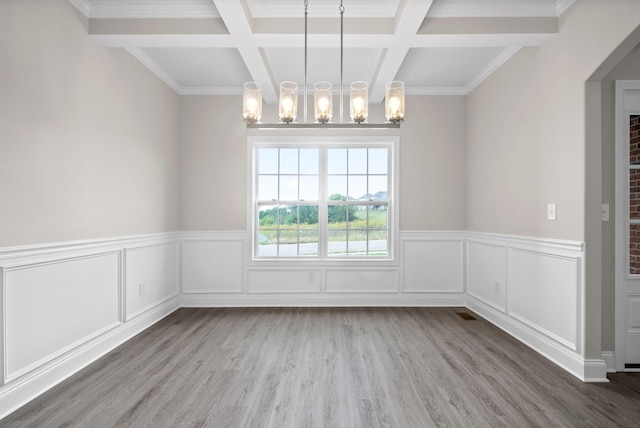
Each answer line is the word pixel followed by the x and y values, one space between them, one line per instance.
pixel 445 67
pixel 201 67
pixel 323 64
pixel 422 42
pixel 494 8
pixel 323 8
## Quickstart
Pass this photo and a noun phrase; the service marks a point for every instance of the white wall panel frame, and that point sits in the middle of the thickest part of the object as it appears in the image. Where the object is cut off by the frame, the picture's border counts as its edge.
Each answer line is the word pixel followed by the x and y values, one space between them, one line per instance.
pixel 487 278
pixel 200 274
pixel 432 262
pixel 57 277
pixel 156 267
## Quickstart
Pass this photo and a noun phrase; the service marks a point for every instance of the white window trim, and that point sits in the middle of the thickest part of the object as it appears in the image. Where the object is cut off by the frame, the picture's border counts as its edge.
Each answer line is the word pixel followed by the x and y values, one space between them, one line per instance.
pixel 393 142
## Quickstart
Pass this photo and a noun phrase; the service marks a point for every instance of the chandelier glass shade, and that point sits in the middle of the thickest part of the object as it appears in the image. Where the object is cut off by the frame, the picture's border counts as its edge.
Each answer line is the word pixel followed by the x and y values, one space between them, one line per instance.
pixel 252 102
pixel 323 98
pixel 288 105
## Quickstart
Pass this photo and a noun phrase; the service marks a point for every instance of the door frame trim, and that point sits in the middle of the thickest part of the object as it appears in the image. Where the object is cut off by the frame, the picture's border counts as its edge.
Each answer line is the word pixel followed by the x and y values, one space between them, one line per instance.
pixel 621 206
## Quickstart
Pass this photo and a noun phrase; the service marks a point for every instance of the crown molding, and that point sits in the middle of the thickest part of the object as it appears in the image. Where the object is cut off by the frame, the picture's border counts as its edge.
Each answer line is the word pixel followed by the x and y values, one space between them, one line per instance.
pixel 151 9
pixel 203 90
pixel 82 5
pixel 563 5
pixel 153 66
pixel 497 62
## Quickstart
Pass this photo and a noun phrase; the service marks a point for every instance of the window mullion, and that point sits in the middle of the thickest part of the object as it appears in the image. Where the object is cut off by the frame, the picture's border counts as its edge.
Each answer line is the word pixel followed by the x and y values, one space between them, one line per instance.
pixel 323 242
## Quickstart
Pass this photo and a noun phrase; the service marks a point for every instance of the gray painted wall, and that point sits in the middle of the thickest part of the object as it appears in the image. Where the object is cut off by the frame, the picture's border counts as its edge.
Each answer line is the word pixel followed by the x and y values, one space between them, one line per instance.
pixel 89 136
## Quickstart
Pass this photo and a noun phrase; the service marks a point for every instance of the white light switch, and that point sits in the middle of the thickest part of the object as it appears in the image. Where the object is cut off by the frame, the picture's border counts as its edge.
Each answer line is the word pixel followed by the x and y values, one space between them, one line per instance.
pixel 551 211
pixel 605 212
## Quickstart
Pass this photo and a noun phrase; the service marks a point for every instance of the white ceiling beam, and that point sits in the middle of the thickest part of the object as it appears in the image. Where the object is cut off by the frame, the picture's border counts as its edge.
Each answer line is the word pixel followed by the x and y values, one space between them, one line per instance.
pixel 408 24
pixel 237 20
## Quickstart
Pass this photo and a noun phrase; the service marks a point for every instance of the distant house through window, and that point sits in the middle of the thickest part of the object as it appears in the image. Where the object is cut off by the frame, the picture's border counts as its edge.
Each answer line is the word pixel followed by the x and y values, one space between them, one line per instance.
pixel 322 199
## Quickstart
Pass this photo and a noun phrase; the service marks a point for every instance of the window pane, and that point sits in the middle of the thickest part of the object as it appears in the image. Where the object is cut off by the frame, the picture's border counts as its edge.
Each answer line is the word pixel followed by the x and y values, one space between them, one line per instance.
pixel 288 228
pixel 288 161
pixel 357 161
pixel 268 250
pixel 378 161
pixel 378 187
pixel 337 245
pixel 288 188
pixel 634 140
pixel 378 218
pixel 336 185
pixel 337 161
pixel 356 217
pixel 267 161
pixel 634 194
pixel 357 242
pixel 287 237
pixel 267 187
pixel 289 217
pixel 378 243
pixel 308 242
pixel 309 161
pixel 337 216
pixel 634 249
pixel 357 187
pixel 308 215
pixel 309 188
pixel 268 216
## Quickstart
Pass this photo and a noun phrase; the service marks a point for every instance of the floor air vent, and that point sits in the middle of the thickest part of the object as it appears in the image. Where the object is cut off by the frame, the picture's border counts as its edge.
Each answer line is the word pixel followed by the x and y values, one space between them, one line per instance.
pixel 466 316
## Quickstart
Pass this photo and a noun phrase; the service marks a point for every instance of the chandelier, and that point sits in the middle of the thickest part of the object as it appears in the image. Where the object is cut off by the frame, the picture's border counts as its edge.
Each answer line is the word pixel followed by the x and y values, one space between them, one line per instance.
pixel 323 99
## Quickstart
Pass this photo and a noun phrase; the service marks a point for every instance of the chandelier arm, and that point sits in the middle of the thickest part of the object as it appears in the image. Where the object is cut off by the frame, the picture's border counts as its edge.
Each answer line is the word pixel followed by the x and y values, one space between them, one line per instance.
pixel 341 62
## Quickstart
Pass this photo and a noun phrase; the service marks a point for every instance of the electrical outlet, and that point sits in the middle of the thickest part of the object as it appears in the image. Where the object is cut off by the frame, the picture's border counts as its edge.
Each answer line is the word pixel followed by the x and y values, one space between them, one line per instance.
pixel 551 211
pixel 311 277
pixel 141 289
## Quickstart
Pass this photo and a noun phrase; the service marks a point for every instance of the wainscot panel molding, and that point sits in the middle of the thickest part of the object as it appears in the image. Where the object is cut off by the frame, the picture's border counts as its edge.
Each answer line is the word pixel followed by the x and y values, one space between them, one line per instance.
pixel 213 262
pixel 432 262
pixel 218 270
pixel 67 304
pixel 533 288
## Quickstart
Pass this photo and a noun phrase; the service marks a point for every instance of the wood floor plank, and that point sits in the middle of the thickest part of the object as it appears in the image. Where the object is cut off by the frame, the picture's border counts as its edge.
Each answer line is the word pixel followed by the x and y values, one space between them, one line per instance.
pixel 328 367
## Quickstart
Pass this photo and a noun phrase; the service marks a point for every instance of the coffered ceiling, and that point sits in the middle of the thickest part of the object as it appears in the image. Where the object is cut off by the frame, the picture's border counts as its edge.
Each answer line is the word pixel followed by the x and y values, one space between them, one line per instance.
pixel 214 46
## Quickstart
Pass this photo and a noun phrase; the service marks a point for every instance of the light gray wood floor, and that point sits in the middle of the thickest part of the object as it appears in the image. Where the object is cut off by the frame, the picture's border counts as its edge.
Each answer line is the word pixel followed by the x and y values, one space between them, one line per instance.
pixel 331 367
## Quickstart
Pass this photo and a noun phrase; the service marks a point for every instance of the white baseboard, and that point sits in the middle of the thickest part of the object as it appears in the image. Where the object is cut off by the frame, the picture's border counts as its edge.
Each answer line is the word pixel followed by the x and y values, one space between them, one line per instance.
pixel 16 394
pixel 323 300
pixel 569 360
pixel 609 360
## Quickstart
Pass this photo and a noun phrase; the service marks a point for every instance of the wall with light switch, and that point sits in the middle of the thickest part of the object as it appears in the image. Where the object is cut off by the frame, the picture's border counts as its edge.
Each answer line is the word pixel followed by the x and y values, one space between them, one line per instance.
pixel 627 69
pixel 529 128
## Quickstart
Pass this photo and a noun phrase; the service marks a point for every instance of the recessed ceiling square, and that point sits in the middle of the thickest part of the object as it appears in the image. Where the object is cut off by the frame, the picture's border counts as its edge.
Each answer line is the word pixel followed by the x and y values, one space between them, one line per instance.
pixel 201 67
pixel 323 64
pixel 449 67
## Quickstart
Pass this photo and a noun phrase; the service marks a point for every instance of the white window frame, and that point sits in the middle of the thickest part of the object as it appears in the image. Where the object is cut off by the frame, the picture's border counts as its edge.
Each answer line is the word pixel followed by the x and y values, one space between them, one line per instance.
pixel 390 142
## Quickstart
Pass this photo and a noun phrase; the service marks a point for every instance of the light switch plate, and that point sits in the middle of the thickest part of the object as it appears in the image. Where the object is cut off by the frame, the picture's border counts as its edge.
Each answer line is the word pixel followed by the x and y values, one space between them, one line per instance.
pixel 551 211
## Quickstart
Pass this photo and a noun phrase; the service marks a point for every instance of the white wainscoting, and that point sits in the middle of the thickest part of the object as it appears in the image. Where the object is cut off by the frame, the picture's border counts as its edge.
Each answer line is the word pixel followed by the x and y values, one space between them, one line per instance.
pixel 213 262
pixel 432 262
pixel 533 289
pixel 217 270
pixel 67 304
